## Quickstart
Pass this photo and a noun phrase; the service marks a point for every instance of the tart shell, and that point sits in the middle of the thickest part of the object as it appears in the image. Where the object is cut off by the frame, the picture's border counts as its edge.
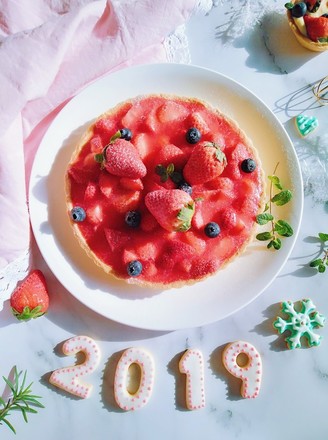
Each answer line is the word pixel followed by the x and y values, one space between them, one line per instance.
pixel 302 39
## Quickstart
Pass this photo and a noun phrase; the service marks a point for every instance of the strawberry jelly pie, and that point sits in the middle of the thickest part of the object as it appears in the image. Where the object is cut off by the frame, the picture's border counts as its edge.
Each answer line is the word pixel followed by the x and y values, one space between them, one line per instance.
pixel 164 190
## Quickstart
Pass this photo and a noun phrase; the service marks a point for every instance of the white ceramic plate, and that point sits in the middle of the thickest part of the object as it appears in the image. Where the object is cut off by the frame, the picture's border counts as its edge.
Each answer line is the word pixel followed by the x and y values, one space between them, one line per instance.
pixel 205 302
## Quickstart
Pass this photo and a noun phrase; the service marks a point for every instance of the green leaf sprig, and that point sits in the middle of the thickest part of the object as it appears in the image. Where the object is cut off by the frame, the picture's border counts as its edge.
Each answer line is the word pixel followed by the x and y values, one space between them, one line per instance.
pixel 168 172
pixel 21 399
pixel 321 263
pixel 279 228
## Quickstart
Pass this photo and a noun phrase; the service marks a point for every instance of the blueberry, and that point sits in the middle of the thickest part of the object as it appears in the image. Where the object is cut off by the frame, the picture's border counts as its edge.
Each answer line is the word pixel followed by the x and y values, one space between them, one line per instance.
pixel 212 229
pixel 78 214
pixel 184 186
pixel 299 10
pixel 134 268
pixel 126 134
pixel 133 218
pixel 193 135
pixel 248 165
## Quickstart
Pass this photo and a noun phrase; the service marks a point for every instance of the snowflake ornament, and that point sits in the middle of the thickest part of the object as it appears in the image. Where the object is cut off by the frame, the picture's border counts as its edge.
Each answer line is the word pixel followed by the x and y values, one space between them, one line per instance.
pixel 300 323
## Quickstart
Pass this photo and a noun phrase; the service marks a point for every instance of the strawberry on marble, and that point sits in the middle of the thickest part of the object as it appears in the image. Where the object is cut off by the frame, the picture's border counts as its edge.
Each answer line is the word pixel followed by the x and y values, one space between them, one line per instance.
pixel 30 299
pixel 173 209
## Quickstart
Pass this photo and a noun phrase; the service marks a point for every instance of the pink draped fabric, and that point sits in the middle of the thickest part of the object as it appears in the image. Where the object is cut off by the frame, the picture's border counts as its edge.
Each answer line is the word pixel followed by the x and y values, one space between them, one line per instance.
pixel 49 51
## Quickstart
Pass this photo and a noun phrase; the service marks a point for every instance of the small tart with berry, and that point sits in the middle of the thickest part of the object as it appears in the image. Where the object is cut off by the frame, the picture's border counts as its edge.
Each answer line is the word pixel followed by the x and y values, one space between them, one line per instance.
pixel 163 191
pixel 308 21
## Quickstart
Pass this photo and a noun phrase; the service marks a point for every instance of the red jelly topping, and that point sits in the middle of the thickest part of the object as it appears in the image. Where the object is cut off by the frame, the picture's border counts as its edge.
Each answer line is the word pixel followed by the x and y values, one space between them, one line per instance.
pixel 159 125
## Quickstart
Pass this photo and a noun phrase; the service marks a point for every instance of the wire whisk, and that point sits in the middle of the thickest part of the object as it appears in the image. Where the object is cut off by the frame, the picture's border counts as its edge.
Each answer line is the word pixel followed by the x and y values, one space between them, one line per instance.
pixel 320 91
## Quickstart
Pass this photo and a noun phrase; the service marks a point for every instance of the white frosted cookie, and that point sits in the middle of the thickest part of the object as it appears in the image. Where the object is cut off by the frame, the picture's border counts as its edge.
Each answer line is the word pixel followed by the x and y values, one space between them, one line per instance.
pixel 126 400
pixel 69 378
pixel 192 365
pixel 250 373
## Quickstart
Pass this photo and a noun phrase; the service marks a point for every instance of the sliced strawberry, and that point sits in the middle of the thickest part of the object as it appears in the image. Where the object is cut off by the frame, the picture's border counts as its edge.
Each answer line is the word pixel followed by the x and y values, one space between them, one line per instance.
pixel 123 160
pixel 198 219
pixel 89 161
pixel 124 200
pixel 149 268
pixel 135 114
pixel 129 255
pixel 228 218
pixel 198 244
pixel 106 183
pixel 96 144
pixel 170 153
pixel 135 184
pixel 197 121
pixel 239 152
pixel 30 299
pixel 147 251
pixel 116 239
pixel 204 267
pixel 171 111
pixel 90 191
pixel 82 175
pixel 95 214
pixel 173 209
pixel 316 27
pixel 221 183
pixel 205 163
pixel 143 144
pixel 148 222
pixel 152 121
pixel 174 252
pixel 105 128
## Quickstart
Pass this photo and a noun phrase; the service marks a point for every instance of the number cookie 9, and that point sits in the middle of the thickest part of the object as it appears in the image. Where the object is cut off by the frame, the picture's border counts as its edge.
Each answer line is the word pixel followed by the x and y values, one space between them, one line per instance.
pixel 250 373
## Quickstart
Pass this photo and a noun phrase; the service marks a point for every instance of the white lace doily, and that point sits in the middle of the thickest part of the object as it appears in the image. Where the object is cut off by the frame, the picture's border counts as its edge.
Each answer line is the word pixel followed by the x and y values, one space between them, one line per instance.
pixel 11 274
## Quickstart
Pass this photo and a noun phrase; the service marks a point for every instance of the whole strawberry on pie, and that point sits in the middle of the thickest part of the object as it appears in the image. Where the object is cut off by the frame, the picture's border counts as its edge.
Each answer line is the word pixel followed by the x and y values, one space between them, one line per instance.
pixel 30 299
pixel 206 162
pixel 163 191
pixel 173 209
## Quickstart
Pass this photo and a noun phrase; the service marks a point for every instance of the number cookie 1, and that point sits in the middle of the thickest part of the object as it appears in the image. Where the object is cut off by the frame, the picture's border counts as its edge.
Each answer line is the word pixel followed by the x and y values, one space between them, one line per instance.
pixel 250 373
pixel 140 398
pixel 68 378
pixel 192 364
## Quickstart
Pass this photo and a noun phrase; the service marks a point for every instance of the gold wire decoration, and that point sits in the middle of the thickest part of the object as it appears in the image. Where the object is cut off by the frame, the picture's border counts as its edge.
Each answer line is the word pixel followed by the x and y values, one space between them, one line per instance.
pixel 320 91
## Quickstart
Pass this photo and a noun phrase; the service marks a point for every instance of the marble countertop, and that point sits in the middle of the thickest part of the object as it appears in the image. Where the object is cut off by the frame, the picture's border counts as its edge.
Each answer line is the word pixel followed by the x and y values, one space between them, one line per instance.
pixel 293 397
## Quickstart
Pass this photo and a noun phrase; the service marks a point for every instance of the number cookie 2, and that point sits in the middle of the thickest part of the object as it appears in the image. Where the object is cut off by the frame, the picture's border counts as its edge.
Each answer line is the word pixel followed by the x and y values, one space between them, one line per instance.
pixel 68 378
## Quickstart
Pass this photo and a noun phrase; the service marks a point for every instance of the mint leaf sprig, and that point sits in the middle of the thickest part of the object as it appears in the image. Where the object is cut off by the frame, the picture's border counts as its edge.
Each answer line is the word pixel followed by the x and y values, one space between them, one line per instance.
pixel 21 399
pixel 279 228
pixel 321 263
pixel 168 172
